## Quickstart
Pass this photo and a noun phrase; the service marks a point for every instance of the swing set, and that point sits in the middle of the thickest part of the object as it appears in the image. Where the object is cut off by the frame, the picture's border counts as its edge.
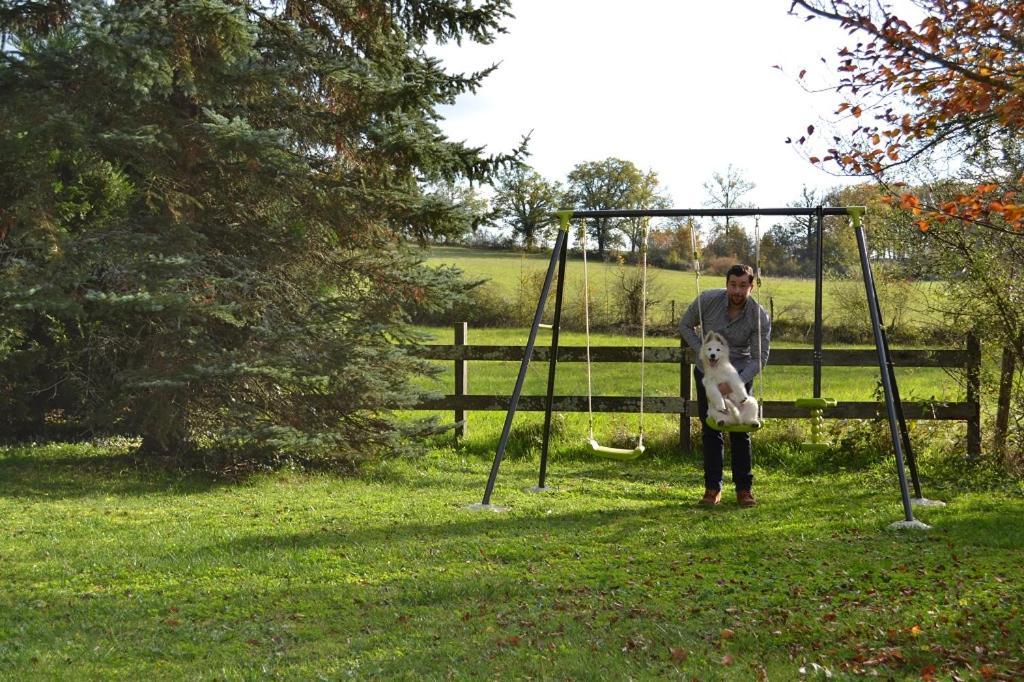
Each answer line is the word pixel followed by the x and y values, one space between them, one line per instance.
pixel 814 404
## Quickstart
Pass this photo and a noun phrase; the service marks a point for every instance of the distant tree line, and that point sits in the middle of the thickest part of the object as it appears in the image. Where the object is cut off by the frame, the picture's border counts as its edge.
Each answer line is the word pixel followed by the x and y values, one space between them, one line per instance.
pixel 523 204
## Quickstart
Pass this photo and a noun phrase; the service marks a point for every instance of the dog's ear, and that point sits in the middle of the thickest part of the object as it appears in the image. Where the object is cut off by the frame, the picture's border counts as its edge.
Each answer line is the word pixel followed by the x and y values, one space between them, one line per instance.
pixel 718 337
pixel 709 336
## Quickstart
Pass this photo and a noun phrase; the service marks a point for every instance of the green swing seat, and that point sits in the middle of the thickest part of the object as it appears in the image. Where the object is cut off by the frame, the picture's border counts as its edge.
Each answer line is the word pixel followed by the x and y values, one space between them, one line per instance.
pixel 620 454
pixel 731 428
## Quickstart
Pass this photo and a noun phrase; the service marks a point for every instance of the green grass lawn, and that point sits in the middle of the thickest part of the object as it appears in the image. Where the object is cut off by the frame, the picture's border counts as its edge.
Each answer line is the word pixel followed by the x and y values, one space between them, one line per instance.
pixel 116 570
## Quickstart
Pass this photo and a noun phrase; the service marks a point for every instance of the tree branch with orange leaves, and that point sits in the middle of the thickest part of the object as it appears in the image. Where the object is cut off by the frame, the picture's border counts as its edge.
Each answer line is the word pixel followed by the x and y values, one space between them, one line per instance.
pixel 955 77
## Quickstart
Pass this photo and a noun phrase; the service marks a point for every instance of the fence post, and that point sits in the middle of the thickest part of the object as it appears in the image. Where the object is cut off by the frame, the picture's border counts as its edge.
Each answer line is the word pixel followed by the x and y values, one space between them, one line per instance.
pixel 461 377
pixel 974 395
pixel 685 377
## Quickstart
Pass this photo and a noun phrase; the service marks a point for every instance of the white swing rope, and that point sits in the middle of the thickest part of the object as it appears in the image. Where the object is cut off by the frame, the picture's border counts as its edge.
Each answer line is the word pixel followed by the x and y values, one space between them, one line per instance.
pixel 696 272
pixel 643 330
pixel 586 325
pixel 643 334
pixel 757 286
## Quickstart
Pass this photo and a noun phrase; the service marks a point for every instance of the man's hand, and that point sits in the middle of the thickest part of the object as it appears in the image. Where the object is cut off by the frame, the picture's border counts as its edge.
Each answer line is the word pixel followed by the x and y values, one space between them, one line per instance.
pixel 725 389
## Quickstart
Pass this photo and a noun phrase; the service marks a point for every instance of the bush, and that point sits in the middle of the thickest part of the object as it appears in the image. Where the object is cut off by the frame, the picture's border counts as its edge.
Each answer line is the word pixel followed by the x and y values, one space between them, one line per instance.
pixel 852 321
pixel 600 310
pixel 719 265
pixel 526 439
pixel 631 302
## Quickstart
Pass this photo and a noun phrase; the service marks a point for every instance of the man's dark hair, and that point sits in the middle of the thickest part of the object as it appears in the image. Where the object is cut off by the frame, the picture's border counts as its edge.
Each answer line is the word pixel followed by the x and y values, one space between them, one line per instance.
pixel 739 270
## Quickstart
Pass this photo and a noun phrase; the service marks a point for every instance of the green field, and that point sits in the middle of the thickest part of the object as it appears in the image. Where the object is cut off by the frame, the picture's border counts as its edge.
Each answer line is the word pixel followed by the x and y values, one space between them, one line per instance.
pixel 118 570
pixel 792 298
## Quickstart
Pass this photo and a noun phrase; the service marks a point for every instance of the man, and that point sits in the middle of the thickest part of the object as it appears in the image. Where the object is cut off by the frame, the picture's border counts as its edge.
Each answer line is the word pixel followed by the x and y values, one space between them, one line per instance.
pixel 733 314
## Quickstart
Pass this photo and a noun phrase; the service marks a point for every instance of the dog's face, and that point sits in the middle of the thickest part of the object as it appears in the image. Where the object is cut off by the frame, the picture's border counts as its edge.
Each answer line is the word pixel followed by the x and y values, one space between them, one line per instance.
pixel 715 349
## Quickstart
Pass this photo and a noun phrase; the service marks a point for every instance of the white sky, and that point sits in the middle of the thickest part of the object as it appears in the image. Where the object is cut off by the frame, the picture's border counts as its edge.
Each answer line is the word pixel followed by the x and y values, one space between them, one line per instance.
pixel 680 87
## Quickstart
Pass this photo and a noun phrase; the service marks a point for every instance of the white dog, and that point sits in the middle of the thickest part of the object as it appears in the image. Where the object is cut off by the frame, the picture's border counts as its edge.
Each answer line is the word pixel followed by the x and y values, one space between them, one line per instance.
pixel 739 407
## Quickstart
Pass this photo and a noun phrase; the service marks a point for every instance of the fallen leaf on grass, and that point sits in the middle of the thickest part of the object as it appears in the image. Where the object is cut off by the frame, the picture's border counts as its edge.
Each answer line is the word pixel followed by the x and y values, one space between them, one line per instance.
pixel 727 633
pixel 727 660
pixel 513 640
pixel 678 654
pixel 635 644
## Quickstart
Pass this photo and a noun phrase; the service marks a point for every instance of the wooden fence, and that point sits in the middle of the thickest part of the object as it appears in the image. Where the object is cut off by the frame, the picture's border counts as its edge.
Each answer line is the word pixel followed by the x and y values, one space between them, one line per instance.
pixel 685 405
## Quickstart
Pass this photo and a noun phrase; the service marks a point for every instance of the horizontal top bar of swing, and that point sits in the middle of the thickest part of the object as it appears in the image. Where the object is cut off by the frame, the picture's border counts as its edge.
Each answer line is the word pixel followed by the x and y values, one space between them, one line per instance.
pixel 708 212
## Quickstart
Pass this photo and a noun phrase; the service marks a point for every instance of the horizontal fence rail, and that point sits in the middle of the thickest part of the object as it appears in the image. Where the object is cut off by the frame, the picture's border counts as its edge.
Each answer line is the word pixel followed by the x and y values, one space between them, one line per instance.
pixel 778 409
pixel 462 402
pixel 787 356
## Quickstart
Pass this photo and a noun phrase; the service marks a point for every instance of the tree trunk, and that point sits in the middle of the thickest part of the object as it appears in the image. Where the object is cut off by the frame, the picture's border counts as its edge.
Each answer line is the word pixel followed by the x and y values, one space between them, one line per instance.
pixel 1009 367
pixel 165 431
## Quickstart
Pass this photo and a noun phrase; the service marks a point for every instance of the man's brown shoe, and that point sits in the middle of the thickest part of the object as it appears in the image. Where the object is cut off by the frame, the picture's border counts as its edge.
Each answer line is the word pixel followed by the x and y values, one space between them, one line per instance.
pixel 711 497
pixel 745 498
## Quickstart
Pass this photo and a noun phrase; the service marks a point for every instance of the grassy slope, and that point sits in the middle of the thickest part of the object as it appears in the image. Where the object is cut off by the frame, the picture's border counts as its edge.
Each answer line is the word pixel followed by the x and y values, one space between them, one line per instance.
pixel 115 571
pixel 793 297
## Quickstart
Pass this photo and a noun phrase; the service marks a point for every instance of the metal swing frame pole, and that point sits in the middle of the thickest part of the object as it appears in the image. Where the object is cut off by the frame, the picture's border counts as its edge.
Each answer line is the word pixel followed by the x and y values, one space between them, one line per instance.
pixel 915 480
pixel 553 360
pixel 527 355
pixel 819 279
pixel 856 213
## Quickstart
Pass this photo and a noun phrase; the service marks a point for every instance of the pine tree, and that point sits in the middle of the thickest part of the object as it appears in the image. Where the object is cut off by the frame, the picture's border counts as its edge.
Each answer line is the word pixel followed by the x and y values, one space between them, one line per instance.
pixel 203 213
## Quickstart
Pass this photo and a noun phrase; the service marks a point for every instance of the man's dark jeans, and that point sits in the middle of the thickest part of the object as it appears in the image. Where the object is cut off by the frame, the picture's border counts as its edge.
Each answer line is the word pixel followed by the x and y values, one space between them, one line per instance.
pixel 714 446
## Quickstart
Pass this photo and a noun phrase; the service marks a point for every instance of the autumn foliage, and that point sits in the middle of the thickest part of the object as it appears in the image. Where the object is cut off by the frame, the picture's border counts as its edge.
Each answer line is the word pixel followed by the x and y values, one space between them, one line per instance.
pixel 938 85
